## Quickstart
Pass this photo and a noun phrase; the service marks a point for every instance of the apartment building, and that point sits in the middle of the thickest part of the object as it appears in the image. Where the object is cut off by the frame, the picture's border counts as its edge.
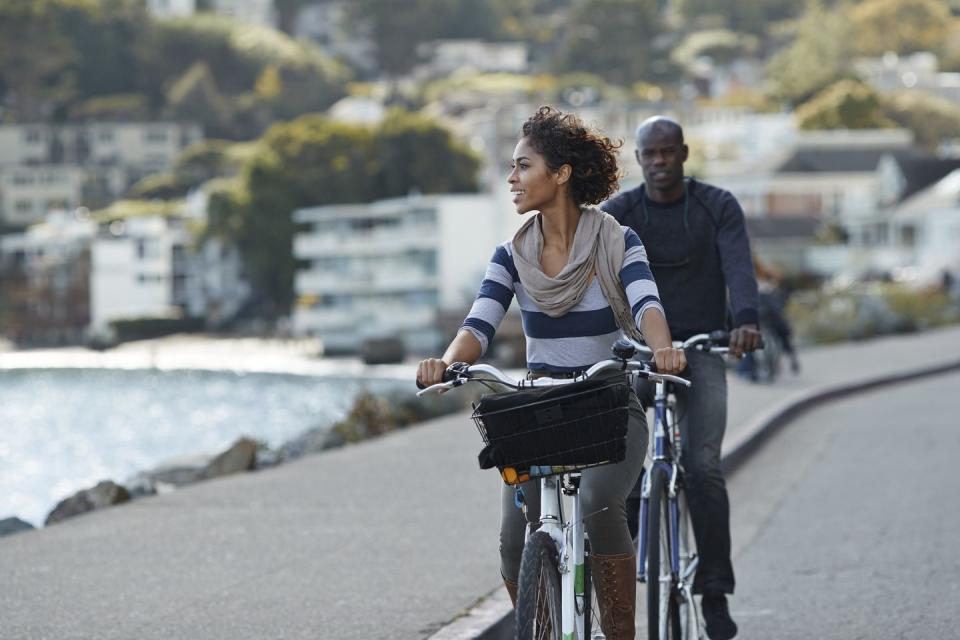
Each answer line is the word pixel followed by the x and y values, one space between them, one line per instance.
pixel 47 166
pixel 28 192
pixel 387 268
pixel 140 268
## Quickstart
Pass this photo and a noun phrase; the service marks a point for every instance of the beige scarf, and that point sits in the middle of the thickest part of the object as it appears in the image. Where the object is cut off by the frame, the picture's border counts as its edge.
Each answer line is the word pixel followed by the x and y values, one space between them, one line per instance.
pixel 598 246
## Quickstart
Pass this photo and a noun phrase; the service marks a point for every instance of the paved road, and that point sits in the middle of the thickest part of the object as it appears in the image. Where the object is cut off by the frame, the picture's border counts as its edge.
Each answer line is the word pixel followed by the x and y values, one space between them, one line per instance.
pixel 392 538
pixel 846 524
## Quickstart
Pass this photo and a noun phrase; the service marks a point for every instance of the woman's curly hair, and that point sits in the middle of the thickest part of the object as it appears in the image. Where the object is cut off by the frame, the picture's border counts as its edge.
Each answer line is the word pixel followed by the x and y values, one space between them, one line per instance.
pixel 561 138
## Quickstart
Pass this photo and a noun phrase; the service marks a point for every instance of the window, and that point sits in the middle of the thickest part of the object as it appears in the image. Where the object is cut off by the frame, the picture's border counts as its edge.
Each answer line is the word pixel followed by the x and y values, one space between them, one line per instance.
pixel 23 206
pixel 156 136
pixel 23 178
pixel 105 135
pixel 33 136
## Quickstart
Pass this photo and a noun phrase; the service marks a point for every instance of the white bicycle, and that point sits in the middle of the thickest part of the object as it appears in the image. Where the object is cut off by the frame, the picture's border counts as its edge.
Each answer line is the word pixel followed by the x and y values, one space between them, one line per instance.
pixel 554 436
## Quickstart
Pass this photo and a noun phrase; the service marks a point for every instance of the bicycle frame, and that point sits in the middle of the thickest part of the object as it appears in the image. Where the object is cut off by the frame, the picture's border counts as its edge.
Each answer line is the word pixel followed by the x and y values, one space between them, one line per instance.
pixel 569 538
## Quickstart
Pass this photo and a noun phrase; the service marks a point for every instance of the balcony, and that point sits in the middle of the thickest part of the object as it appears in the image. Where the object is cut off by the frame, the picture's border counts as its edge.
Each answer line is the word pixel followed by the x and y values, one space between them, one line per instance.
pixel 376 243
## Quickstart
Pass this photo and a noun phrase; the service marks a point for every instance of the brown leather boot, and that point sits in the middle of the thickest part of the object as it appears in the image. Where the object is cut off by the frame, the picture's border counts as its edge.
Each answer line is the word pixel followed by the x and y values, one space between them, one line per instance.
pixel 615 579
pixel 511 591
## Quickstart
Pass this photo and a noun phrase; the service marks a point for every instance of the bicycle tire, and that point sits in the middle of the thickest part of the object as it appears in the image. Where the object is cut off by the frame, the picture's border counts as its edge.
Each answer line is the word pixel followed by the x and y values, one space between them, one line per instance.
pixel 539 598
pixel 658 564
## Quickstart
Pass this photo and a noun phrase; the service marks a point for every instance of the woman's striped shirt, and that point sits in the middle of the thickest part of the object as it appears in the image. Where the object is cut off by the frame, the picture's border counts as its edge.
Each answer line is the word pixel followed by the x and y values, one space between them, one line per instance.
pixel 579 338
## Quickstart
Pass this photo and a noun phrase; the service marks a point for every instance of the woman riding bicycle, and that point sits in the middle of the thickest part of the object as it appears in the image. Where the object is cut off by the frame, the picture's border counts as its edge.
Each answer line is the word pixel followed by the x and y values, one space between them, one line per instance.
pixel 580 278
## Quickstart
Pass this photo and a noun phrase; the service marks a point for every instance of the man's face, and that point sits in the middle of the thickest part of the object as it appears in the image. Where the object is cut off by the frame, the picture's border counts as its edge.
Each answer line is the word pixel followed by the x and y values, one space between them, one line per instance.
pixel 661 155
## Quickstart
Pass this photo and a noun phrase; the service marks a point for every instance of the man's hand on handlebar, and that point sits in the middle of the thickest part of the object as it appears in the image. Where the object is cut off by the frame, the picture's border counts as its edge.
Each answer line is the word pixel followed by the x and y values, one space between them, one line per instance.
pixel 670 360
pixel 744 339
pixel 430 371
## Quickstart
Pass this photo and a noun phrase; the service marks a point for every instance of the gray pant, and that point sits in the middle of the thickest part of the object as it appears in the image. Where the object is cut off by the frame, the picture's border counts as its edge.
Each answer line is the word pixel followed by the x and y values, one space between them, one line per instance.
pixel 606 486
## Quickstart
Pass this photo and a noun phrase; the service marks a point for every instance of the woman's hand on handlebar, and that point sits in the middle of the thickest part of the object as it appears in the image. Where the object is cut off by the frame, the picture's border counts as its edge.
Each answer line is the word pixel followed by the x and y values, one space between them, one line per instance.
pixel 430 371
pixel 670 360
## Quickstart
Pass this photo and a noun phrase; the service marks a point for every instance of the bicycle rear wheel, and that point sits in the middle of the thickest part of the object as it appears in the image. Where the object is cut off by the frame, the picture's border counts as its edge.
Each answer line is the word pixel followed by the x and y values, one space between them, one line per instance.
pixel 538 594
pixel 663 614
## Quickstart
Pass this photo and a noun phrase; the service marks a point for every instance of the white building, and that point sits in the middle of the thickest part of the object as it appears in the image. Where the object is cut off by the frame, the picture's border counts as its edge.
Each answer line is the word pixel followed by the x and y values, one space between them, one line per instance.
pixel 827 175
pixel 139 269
pixel 47 166
pixel 259 12
pixel 917 71
pixel 171 8
pixel 29 192
pixel 466 54
pixel 387 268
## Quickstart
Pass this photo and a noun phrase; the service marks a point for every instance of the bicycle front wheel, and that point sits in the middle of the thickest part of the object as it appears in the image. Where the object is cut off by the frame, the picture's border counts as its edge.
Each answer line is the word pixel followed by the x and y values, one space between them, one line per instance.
pixel 539 598
pixel 663 615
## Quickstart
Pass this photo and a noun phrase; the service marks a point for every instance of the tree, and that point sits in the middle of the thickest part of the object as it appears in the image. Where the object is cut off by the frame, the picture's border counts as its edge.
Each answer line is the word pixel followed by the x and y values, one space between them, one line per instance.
pixel 933 120
pixel 845 105
pixel 195 97
pixel 611 38
pixel 35 59
pixel 314 161
pixel 751 16
pixel 818 56
pixel 901 26
pixel 397 33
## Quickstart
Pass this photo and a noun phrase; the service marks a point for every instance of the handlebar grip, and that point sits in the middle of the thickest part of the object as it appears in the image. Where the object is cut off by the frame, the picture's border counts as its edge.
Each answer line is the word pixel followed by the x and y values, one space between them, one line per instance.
pixel 420 385
pixel 720 338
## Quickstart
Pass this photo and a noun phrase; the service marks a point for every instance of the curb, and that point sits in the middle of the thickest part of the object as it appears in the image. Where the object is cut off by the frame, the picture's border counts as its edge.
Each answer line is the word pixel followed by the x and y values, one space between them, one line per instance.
pixel 490 619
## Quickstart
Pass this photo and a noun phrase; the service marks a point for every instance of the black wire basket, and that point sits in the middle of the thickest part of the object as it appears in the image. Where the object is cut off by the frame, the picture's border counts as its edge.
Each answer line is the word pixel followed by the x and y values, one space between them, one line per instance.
pixel 553 430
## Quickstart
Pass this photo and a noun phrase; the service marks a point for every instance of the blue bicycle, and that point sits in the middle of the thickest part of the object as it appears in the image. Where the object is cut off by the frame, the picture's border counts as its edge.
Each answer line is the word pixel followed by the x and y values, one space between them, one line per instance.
pixel 667 556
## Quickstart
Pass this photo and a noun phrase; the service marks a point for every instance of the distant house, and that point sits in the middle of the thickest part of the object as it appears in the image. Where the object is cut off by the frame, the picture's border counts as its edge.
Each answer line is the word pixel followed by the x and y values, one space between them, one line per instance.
pixel 826 175
pixel 46 167
pixel 259 12
pixel 388 268
pixel 444 57
pixel 915 72
pixel 29 192
pixel 782 241
pixel 171 8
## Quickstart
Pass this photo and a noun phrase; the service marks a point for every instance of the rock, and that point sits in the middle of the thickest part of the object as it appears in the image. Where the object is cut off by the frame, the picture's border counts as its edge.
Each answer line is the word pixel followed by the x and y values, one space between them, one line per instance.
pixel 242 456
pixel 311 441
pixel 140 485
pixel 268 458
pixel 105 494
pixel 179 471
pixel 9 526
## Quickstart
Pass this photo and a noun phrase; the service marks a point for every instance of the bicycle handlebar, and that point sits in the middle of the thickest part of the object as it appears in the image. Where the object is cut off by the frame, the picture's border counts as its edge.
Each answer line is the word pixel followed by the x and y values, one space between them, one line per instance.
pixel 460 373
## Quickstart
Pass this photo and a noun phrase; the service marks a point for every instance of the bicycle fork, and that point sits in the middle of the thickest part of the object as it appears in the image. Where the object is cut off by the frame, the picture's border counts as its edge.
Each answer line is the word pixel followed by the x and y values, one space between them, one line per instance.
pixel 569 540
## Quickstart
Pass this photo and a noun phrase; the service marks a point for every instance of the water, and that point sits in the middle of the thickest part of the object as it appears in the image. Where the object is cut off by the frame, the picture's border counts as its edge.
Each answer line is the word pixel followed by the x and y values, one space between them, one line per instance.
pixel 62 430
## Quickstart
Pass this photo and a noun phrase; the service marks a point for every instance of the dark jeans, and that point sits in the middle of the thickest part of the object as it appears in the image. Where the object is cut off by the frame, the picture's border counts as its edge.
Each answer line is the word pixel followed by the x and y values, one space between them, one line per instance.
pixel 702 411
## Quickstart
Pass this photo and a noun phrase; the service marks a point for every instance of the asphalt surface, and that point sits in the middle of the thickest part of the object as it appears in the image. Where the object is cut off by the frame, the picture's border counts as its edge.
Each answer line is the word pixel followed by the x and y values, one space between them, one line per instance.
pixel 392 538
pixel 845 525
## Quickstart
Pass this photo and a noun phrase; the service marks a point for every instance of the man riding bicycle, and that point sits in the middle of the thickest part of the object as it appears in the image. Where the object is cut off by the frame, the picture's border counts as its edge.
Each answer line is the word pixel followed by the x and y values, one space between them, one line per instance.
pixel 699 254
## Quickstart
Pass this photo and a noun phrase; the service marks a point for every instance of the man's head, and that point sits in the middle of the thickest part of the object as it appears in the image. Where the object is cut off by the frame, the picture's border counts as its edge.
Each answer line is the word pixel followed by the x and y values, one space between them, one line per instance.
pixel 661 153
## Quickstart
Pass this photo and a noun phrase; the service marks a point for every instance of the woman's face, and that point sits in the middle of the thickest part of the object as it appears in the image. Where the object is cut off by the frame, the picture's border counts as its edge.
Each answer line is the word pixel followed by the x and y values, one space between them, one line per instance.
pixel 532 184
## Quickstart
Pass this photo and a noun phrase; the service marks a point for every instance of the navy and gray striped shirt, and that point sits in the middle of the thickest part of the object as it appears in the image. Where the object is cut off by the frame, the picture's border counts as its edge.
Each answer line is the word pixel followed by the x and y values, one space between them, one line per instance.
pixel 579 338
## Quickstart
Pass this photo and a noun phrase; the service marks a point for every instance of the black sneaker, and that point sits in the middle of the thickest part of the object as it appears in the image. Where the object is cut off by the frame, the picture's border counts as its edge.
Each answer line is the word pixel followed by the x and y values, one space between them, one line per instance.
pixel 720 626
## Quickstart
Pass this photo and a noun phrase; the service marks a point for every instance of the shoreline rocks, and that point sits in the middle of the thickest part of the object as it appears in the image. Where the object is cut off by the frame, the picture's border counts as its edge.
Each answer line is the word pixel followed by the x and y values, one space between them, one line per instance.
pixel 10 526
pixel 371 416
